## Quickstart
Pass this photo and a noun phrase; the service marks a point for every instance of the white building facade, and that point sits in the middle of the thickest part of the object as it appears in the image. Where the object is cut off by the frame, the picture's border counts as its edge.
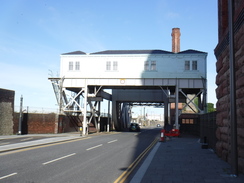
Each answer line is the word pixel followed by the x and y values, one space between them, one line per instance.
pixel 137 64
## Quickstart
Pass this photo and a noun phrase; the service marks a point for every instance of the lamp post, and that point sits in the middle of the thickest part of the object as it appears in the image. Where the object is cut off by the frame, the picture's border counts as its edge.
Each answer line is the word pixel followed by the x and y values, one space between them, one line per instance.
pixel 20 115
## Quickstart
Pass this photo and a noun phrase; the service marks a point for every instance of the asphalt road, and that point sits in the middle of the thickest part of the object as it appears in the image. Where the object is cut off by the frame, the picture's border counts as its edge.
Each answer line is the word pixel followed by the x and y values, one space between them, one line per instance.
pixel 100 158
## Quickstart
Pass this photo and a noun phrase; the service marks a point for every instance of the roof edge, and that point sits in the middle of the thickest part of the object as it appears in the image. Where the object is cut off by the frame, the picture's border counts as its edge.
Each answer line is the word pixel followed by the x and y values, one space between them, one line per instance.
pixel 191 51
pixel 155 51
pixel 74 53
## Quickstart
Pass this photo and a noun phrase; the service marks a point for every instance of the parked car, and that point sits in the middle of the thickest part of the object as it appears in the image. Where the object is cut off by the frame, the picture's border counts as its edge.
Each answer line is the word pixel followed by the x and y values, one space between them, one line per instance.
pixel 134 127
pixel 158 125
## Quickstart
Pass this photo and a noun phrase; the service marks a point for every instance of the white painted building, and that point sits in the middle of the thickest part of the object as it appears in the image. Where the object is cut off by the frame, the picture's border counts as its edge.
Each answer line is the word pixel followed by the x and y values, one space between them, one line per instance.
pixel 133 64
pixel 155 76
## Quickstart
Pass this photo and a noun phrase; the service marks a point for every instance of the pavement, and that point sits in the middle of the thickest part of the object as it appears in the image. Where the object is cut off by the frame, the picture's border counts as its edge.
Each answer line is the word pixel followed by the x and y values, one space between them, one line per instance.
pixel 45 139
pixel 177 160
pixel 182 160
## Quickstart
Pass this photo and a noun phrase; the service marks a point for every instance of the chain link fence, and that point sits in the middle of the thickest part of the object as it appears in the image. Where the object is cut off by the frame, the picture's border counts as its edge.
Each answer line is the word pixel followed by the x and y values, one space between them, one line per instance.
pixel 41 110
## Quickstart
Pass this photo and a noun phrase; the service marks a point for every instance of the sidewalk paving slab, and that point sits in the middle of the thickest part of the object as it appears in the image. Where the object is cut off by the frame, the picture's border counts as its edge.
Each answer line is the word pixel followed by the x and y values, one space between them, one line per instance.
pixel 182 160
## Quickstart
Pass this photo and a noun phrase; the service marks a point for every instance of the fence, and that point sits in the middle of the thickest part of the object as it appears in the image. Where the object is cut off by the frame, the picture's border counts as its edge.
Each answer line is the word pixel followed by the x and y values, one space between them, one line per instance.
pixel 208 129
pixel 42 110
pixel 202 125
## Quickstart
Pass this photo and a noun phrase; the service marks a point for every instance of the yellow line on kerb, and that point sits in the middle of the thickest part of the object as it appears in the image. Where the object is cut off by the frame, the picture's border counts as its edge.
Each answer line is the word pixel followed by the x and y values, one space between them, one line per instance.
pixel 40 146
pixel 128 171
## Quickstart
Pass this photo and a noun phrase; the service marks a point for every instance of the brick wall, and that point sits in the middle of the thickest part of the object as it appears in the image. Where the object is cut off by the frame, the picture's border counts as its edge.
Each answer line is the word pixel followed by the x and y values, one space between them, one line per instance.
pixel 36 123
pixel 223 133
pixel 6 111
pixel 66 125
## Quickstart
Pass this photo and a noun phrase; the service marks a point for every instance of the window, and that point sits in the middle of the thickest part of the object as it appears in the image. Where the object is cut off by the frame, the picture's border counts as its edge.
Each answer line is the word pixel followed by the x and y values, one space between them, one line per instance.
pixel 108 66
pixel 115 65
pixel 190 65
pixel 77 66
pixel 187 65
pixel 146 65
pixel 194 65
pixel 153 65
pixel 150 66
pixel 187 121
pixel 70 66
pixel 111 66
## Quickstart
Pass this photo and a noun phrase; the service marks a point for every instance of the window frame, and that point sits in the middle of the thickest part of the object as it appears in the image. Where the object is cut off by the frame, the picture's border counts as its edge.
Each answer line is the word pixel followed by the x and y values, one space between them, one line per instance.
pixel 77 65
pixel 115 65
pixel 153 65
pixel 194 65
pixel 187 65
pixel 108 66
pixel 71 65
pixel 146 66
pixel 150 65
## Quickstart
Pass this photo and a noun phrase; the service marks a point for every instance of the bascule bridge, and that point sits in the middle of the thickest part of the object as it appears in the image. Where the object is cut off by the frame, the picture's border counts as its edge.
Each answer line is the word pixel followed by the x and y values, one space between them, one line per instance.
pixel 154 77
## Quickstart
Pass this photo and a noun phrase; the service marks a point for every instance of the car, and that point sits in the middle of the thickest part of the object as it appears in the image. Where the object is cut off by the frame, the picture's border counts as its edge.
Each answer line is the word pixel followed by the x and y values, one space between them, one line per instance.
pixel 134 127
pixel 158 125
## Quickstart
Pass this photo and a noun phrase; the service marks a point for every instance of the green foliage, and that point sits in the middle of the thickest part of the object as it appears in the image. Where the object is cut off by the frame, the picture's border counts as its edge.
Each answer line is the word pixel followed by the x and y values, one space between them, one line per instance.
pixel 211 107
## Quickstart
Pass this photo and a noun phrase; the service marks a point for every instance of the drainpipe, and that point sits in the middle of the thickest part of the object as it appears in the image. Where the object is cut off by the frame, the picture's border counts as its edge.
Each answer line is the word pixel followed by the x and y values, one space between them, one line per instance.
pixel 234 153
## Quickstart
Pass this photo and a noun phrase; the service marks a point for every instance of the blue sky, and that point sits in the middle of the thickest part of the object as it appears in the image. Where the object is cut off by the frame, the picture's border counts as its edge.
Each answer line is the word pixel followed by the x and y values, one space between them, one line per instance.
pixel 34 33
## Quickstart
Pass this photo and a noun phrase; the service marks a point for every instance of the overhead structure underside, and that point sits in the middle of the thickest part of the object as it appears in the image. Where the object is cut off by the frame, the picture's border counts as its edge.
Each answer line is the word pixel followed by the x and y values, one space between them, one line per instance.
pixel 83 97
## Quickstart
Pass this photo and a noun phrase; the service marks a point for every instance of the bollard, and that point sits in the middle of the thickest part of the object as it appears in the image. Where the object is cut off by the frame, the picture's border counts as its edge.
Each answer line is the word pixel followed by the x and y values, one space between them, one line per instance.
pixel 162 138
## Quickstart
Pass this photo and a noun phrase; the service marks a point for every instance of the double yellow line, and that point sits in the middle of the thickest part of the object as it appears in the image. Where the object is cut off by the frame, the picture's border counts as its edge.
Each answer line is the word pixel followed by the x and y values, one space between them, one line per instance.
pixel 128 171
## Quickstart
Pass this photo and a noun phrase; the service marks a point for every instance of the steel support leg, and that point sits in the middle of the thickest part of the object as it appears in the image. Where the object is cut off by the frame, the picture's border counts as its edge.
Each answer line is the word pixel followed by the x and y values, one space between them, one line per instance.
pixel 84 130
pixel 177 105
pixel 108 116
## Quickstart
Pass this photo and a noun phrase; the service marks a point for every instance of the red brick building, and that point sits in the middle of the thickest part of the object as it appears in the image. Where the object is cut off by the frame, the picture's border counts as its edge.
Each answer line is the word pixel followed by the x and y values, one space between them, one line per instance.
pixel 223 147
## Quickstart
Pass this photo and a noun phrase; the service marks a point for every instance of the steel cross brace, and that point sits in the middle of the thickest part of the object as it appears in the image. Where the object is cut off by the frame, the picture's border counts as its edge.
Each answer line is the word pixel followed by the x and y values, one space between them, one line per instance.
pixel 191 101
pixel 93 112
pixel 72 101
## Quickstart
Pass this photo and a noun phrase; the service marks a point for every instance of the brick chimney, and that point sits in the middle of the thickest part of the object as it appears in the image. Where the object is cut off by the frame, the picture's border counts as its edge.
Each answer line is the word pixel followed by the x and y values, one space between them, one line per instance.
pixel 175 40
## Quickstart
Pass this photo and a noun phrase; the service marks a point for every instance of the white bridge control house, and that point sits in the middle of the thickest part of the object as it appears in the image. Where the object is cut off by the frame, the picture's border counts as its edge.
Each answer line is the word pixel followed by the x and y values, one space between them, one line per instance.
pixel 146 77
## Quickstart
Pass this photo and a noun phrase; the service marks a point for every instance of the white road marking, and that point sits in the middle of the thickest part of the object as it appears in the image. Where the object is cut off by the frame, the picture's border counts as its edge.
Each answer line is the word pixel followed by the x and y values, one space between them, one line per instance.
pixel 6 176
pixel 143 168
pixel 59 158
pixel 4 143
pixel 112 141
pixel 94 147
pixel 27 139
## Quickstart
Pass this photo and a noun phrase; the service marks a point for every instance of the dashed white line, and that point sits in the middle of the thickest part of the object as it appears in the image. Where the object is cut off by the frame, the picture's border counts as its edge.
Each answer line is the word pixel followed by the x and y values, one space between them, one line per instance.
pixel 112 141
pixel 59 158
pixel 94 147
pixel 6 176
pixel 27 139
